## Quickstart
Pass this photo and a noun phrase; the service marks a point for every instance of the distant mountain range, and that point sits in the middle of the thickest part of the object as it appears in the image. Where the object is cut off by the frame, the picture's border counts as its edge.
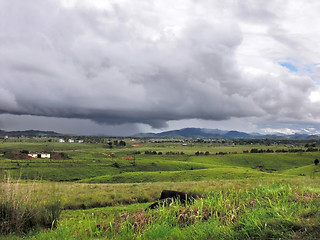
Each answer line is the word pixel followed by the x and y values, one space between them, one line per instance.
pixel 191 133
pixel 218 134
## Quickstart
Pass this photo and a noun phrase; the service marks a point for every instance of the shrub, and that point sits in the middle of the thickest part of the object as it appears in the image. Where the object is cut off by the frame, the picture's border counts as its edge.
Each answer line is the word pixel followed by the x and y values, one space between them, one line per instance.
pixel 115 164
pixel 16 154
pixel 59 156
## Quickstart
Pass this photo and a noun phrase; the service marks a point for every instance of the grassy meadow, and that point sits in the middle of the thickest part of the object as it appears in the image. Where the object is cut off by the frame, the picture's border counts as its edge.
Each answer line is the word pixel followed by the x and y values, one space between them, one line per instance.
pixel 100 189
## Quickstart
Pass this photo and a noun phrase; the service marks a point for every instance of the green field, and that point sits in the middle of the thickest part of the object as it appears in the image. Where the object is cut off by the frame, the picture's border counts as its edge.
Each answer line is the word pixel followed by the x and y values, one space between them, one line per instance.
pixel 103 191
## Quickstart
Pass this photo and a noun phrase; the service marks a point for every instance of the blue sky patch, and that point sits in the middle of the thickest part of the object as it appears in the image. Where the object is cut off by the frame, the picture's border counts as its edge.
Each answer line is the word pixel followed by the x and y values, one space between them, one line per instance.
pixel 289 66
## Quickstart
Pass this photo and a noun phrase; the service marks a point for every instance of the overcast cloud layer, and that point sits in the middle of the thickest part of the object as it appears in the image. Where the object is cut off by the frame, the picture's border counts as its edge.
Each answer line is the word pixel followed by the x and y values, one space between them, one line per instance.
pixel 153 62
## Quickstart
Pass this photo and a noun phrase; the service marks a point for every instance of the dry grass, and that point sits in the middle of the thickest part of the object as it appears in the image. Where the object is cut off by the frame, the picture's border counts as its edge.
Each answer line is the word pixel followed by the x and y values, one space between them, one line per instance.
pixel 22 209
pixel 84 196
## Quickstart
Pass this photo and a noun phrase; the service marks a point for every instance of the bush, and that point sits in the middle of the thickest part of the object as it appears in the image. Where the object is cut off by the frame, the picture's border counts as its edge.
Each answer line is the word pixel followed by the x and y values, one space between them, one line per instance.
pixel 115 164
pixel 60 156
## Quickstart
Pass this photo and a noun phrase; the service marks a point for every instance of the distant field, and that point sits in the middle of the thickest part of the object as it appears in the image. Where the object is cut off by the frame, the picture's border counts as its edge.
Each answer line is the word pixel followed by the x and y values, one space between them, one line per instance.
pixel 93 162
pixel 126 179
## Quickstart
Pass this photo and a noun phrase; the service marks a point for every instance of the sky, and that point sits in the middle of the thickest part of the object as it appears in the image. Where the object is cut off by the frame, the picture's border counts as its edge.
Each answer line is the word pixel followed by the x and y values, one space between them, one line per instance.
pixel 119 67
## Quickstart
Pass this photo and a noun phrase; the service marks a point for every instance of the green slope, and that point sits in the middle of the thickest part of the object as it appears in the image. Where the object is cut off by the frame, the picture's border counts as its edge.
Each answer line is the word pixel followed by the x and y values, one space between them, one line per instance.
pixel 310 171
pixel 180 176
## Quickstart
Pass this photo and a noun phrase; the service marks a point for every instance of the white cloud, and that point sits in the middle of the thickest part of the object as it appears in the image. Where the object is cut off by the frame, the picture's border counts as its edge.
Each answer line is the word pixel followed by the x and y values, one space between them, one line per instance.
pixel 315 96
pixel 286 131
pixel 154 62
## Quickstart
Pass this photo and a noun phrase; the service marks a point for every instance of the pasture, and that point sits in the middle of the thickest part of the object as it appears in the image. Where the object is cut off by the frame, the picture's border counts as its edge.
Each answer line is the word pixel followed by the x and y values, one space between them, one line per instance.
pixel 249 190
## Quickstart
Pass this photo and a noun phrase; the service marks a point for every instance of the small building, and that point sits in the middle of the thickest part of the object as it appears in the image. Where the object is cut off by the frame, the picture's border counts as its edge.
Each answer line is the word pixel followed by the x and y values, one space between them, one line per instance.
pixel 80 141
pixel 70 140
pixel 61 140
pixel 39 155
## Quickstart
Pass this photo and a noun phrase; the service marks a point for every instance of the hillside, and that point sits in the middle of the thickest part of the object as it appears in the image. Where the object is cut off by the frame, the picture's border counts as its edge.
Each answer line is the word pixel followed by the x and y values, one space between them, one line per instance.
pixel 194 133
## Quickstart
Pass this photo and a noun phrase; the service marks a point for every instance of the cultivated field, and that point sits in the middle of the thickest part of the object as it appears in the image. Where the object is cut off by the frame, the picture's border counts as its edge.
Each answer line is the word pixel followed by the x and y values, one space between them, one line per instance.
pixel 100 189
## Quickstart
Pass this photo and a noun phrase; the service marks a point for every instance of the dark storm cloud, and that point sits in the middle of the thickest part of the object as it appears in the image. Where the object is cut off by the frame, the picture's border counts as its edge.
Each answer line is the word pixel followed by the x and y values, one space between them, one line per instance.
pixel 136 63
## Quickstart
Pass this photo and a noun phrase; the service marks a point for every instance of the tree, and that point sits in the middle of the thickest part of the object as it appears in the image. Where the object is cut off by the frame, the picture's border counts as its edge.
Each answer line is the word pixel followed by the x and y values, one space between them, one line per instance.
pixel 254 150
pixel 316 162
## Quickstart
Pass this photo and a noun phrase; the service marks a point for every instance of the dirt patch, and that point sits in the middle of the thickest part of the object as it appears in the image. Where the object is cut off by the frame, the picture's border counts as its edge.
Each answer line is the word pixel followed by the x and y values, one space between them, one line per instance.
pixel 106 154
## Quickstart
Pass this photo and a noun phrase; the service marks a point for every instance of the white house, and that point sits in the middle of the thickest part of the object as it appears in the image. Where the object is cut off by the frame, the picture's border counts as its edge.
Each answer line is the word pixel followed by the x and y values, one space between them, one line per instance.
pixel 39 155
pixel 70 140
pixel 61 140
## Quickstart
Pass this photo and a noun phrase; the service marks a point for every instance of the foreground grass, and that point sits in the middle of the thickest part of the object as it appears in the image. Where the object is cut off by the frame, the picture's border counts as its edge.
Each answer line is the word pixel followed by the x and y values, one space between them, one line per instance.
pixel 22 210
pixel 230 209
pixel 268 210
pixel 85 196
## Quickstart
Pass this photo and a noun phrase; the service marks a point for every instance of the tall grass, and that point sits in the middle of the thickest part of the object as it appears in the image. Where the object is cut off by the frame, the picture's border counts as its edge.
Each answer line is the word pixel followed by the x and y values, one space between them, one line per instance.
pixel 22 210
pixel 274 210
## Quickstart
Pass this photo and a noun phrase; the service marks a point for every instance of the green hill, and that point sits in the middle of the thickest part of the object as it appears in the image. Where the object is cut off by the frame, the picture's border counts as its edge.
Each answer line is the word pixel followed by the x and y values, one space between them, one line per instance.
pixel 310 171
pixel 182 176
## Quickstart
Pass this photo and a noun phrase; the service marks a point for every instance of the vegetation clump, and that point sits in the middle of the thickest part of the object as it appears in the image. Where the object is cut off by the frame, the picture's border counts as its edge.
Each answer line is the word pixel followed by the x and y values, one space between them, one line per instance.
pixel 13 154
pixel 21 211
pixel 60 156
